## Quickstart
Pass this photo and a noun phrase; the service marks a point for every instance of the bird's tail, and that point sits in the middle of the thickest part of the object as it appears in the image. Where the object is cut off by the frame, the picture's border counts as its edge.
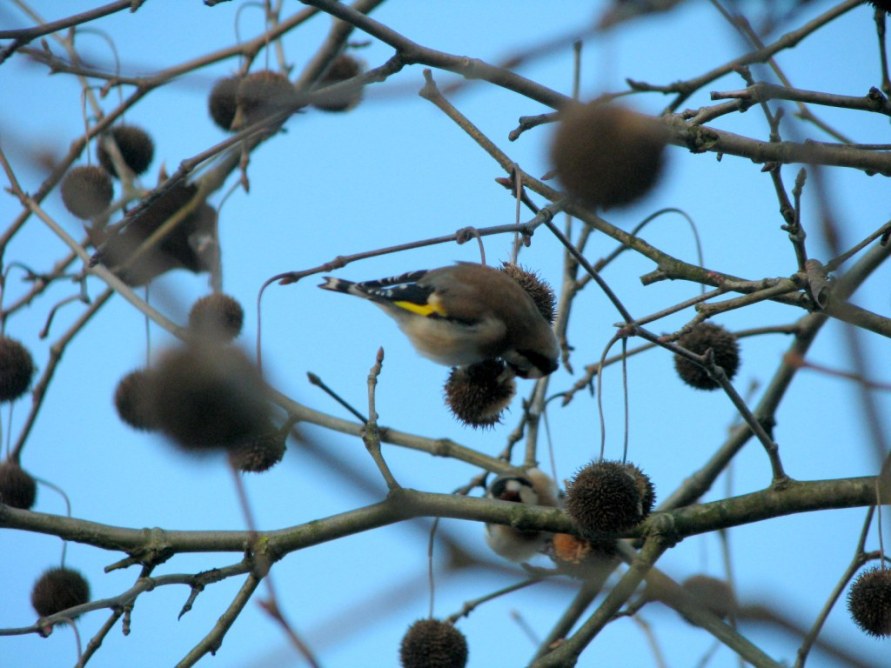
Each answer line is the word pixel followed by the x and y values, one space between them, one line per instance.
pixel 340 285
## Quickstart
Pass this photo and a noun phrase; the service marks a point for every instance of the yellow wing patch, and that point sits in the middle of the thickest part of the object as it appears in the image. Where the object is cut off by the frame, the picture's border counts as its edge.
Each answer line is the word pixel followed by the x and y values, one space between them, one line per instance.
pixel 432 307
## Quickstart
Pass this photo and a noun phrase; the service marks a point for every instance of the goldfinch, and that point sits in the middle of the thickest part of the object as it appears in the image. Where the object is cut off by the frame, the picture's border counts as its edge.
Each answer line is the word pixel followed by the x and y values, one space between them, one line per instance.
pixel 464 314
pixel 535 488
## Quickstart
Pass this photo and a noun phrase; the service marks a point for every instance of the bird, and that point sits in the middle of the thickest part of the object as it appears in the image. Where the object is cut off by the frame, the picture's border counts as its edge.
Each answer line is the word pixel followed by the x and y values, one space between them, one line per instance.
pixel 463 314
pixel 535 488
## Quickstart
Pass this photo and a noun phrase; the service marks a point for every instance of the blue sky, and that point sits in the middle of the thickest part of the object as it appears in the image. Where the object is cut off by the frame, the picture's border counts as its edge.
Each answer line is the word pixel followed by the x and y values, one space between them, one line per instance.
pixel 392 171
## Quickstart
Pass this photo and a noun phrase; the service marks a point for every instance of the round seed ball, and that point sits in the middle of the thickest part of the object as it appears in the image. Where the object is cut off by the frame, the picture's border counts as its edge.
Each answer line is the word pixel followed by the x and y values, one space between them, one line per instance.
pixel 218 317
pixel 869 601
pixel 87 191
pixel 133 400
pixel 16 369
pixel 430 643
pixel 221 103
pixel 342 68
pixel 478 394
pixel 59 589
pixel 542 293
pixel 260 453
pixel 607 155
pixel 713 594
pixel 17 488
pixel 136 147
pixel 260 94
pixel 606 497
pixel 703 336
pixel 208 397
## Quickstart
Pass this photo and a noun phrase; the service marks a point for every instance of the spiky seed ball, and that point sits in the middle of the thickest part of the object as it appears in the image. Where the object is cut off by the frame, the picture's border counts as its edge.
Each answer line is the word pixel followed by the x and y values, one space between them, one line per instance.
pixel 221 104
pixel 703 336
pixel 59 589
pixel 17 488
pixel 542 293
pixel 477 394
pixel 713 594
pixel 342 68
pixel 136 147
pixel 217 317
pixel 16 369
pixel 260 94
pixel 605 497
pixel 607 155
pixel 260 453
pixel 884 5
pixel 430 643
pixel 87 191
pixel 869 601
pixel 208 397
pixel 133 400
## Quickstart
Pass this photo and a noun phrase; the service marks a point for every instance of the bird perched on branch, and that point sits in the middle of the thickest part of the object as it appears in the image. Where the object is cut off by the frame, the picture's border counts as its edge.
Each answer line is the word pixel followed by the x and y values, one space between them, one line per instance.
pixel 536 489
pixel 464 314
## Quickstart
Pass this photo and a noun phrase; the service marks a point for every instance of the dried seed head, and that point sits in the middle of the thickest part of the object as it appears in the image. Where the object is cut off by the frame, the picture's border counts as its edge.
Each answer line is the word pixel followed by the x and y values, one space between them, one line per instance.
pixel 542 293
pixel 136 147
pixel 703 336
pixel 17 488
pixel 16 369
pixel 261 94
pixel 607 155
pixel 208 397
pixel 713 594
pixel 133 400
pixel 608 497
pixel 342 68
pixel 477 394
pixel 883 5
pixel 430 643
pixel 217 317
pixel 59 589
pixel 87 191
pixel 260 453
pixel 869 601
pixel 221 104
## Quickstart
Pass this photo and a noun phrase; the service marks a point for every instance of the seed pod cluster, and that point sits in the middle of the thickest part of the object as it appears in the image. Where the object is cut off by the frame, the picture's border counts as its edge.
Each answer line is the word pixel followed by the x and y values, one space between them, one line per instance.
pixel 221 104
pixel 609 497
pixel 133 400
pixel 16 369
pixel 208 397
pixel 59 589
pixel 259 453
pixel 17 487
pixel 430 643
pixel 136 147
pixel 713 594
pixel 478 394
pixel 343 67
pixel 261 94
pixel 869 601
pixel 217 317
pixel 704 336
pixel 607 155
pixel 87 191
pixel 541 293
